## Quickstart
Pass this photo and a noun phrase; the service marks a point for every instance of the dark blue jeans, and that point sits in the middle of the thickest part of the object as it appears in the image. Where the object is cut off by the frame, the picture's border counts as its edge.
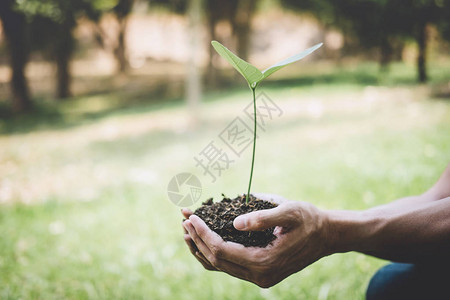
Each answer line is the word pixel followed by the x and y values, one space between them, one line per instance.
pixel 408 281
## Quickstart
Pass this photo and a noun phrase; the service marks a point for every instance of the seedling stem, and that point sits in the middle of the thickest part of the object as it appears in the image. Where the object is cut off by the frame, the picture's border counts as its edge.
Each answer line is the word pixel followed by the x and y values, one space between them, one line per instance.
pixel 254 144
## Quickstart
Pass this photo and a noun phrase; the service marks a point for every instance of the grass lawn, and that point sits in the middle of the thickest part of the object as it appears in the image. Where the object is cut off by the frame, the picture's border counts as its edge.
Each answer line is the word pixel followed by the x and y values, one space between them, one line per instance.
pixel 84 212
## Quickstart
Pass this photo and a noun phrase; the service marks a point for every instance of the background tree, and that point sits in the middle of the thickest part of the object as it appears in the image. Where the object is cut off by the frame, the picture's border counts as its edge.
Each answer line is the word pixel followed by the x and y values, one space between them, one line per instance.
pixel 382 24
pixel 53 23
pixel 376 24
pixel 116 44
pixel 122 11
pixel 241 23
pixel 15 28
pixel 403 20
pixel 193 79
pixel 217 11
pixel 238 14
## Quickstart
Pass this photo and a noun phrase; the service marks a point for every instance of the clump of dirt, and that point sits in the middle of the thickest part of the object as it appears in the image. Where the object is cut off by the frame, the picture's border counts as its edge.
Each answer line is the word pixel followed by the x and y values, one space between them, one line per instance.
pixel 219 216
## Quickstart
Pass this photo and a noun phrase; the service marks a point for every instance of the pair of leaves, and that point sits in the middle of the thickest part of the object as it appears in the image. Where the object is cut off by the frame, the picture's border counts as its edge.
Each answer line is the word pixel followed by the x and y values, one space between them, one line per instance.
pixel 250 72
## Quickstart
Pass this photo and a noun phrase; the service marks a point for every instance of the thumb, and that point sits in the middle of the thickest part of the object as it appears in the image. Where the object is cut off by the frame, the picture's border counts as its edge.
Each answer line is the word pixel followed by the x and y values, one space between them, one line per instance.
pixel 262 219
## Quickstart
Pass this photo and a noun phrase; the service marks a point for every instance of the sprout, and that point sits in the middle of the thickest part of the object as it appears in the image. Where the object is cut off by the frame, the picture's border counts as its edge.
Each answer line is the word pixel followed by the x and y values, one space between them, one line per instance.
pixel 254 76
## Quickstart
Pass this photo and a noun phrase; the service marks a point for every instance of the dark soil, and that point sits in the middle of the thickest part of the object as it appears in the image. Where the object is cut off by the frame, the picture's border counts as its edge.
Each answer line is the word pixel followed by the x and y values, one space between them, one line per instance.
pixel 219 216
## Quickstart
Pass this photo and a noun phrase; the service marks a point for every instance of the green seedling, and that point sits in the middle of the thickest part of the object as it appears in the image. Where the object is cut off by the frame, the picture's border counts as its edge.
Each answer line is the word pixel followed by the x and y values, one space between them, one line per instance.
pixel 254 76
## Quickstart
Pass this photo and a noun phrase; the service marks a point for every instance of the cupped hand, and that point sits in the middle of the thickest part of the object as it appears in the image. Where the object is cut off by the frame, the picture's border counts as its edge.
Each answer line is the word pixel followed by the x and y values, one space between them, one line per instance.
pixel 301 239
pixel 191 245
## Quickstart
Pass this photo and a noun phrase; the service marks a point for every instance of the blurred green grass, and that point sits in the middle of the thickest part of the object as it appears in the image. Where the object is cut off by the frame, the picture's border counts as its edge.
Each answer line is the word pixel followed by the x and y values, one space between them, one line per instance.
pixel 85 213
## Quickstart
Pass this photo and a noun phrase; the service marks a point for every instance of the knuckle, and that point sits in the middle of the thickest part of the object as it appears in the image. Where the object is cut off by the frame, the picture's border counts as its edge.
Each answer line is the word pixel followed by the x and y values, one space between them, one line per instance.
pixel 266 270
pixel 200 231
pixel 264 282
pixel 213 260
pixel 294 213
pixel 217 264
pixel 266 259
pixel 258 220
pixel 217 251
pixel 261 259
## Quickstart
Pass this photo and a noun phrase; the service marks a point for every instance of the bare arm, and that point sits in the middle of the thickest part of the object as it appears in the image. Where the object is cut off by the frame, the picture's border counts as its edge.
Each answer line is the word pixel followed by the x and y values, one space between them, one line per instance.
pixel 440 190
pixel 411 229
pixel 418 231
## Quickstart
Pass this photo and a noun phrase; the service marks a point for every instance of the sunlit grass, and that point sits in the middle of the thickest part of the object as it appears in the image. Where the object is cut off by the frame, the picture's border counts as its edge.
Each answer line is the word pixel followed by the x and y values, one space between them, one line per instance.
pixel 84 210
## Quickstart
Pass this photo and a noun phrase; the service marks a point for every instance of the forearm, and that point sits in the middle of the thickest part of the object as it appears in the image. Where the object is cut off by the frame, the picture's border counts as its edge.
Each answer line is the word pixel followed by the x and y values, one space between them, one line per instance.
pixel 420 231
pixel 440 190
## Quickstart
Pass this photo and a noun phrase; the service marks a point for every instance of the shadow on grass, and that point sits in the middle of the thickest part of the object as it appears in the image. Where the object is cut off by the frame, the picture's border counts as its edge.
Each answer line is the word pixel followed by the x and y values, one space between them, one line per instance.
pixel 84 110
pixel 325 79
pixel 134 98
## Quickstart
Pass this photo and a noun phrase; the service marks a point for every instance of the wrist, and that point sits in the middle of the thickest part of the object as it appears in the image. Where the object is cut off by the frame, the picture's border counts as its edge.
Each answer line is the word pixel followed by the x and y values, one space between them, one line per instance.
pixel 351 230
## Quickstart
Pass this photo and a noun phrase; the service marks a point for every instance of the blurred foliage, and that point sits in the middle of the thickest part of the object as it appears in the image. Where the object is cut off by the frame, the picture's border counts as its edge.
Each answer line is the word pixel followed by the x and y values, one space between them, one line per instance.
pixel 383 24
pixel 371 21
pixel 51 25
pixel 176 6
pixel 83 206
pixel 58 11
pixel 386 26
pixel 97 224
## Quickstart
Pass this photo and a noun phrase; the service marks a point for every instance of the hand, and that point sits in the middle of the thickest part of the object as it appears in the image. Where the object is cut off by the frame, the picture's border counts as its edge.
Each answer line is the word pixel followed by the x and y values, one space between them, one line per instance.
pixel 301 234
pixel 192 247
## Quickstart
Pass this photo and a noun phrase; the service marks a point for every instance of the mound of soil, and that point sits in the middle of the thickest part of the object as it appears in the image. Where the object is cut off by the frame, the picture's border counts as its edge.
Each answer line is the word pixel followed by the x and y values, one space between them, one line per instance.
pixel 219 216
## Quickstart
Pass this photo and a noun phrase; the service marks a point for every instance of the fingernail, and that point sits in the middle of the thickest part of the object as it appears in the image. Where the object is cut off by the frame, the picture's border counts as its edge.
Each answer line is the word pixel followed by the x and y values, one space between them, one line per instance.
pixel 240 222
pixel 185 225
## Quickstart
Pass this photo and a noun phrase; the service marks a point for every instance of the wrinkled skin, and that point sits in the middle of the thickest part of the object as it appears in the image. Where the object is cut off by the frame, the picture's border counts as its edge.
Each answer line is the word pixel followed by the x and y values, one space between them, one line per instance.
pixel 301 234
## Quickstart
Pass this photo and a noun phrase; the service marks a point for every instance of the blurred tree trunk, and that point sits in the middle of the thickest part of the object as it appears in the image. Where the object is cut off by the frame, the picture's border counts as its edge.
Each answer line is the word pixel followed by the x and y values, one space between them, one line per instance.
pixel 397 50
pixel 193 80
pixel 386 53
pixel 15 28
pixel 64 46
pixel 218 10
pixel 242 26
pixel 122 10
pixel 120 50
pixel 422 55
pixel 211 78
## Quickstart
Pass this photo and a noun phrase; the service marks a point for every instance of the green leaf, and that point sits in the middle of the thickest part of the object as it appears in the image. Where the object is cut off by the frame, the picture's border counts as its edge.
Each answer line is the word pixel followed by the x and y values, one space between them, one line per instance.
pixel 272 69
pixel 250 72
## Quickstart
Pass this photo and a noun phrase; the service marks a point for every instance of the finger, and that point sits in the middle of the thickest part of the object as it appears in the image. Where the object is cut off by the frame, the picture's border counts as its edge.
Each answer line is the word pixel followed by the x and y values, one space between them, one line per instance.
pixel 218 263
pixel 192 247
pixel 186 212
pixel 190 244
pixel 263 219
pixel 277 199
pixel 196 253
pixel 198 242
pixel 234 270
pixel 218 248
pixel 182 225
pixel 206 264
